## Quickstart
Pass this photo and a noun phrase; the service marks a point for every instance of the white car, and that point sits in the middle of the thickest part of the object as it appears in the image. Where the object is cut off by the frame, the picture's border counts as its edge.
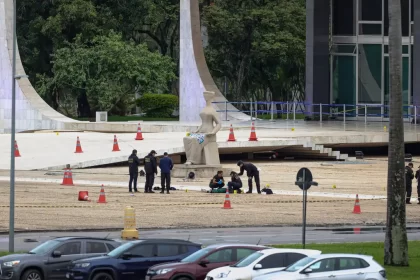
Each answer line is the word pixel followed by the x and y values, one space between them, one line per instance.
pixel 330 266
pixel 259 263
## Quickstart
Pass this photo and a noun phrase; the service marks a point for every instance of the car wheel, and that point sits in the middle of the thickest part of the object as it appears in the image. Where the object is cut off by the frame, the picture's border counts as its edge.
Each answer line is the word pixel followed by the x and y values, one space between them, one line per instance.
pixel 32 274
pixel 183 278
pixel 103 276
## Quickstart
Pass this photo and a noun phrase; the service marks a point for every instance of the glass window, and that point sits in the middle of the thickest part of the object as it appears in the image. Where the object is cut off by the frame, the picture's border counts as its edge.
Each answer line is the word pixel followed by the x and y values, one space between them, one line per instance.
pixel 370 73
pixel 95 247
pixel 293 257
pixel 274 261
pixel 121 249
pixel 405 83
pixel 343 17
pixel 225 255
pixel 242 253
pixel 370 29
pixel 323 265
pixel 351 263
pixel 142 251
pixel 344 82
pixel 110 247
pixel 167 250
pixel 300 264
pixel 70 248
pixel 370 10
pixel 248 260
pixel 45 247
pixel 196 256
pixel 344 48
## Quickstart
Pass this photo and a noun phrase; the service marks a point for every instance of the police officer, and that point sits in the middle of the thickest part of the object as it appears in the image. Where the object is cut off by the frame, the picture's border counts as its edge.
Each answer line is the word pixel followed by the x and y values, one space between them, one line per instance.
pixel 133 163
pixel 251 172
pixel 409 175
pixel 150 167
pixel 165 165
pixel 418 184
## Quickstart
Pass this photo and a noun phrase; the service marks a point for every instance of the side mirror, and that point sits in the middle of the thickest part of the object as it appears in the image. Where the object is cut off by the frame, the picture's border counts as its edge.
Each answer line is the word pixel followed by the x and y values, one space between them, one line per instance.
pixel 257 266
pixel 56 254
pixel 307 271
pixel 127 256
pixel 204 262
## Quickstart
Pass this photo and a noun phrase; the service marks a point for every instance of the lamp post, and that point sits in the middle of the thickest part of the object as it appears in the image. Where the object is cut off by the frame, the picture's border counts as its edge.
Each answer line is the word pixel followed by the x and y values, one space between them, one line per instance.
pixel 12 142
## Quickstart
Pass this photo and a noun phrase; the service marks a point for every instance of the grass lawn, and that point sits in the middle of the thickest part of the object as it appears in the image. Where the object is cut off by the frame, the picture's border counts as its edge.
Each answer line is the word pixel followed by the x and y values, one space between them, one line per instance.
pixel 376 250
pixel 131 118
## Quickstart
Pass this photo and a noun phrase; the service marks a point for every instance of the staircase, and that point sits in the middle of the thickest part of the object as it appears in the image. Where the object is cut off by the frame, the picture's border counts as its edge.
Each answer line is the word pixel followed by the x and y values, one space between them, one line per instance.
pixel 328 152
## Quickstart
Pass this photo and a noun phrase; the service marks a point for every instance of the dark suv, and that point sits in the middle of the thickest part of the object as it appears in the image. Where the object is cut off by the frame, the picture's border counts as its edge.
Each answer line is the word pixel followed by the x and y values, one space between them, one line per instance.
pixel 131 260
pixel 197 265
pixel 51 259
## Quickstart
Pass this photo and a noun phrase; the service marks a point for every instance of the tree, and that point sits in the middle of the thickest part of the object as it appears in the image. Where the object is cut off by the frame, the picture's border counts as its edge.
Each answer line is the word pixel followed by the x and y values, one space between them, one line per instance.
pixel 396 246
pixel 109 71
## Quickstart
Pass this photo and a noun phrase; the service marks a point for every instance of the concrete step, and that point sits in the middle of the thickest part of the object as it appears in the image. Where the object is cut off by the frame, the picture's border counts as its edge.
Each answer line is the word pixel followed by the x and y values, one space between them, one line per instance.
pixel 328 151
pixel 344 156
pixel 351 159
pixel 320 148
pixel 336 154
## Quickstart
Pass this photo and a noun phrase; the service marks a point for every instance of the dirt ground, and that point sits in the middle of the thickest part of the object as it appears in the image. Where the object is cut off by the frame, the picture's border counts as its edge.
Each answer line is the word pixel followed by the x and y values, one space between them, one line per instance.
pixel 43 206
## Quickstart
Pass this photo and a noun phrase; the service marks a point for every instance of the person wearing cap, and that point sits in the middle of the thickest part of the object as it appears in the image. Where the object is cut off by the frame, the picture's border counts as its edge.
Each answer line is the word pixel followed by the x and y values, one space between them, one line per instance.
pixel 409 176
pixel 235 183
pixel 251 172
pixel 150 167
pixel 133 168
pixel 165 165
pixel 418 184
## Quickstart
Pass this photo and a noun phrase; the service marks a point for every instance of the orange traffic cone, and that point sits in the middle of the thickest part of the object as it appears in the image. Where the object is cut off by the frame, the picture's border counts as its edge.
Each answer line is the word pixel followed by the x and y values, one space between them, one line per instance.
pixel 102 198
pixel 115 148
pixel 227 205
pixel 78 146
pixel 68 178
pixel 356 209
pixel 84 196
pixel 139 135
pixel 17 154
pixel 231 135
pixel 253 135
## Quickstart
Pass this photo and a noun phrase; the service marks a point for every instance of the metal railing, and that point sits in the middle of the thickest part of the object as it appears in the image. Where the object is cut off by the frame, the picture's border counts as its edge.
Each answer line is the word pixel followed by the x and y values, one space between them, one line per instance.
pixel 374 112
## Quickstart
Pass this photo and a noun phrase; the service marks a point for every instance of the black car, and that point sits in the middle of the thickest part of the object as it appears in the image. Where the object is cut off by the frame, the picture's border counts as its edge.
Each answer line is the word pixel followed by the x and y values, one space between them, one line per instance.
pixel 131 260
pixel 51 259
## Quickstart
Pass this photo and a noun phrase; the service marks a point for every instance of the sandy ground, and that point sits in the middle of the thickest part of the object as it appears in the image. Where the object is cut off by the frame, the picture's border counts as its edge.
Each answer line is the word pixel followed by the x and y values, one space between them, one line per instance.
pixel 50 206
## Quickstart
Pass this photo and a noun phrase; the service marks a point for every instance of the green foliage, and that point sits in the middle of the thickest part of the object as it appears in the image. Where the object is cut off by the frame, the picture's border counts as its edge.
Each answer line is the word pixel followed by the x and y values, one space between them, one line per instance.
pixel 375 249
pixel 158 105
pixel 108 70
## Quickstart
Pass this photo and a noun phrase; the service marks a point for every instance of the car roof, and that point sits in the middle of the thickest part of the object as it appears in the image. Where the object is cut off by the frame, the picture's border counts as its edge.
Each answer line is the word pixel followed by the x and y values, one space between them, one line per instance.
pixel 307 252
pixel 325 256
pixel 65 238
pixel 166 240
pixel 224 245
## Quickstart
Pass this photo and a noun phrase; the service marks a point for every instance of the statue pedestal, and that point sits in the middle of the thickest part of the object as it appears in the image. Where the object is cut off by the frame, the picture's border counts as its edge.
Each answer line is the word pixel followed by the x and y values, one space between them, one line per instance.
pixel 201 171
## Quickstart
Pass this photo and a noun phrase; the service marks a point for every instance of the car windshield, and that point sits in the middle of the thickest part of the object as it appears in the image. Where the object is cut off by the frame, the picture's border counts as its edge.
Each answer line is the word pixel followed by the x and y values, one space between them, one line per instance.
pixel 120 250
pixel 299 264
pixel 45 247
pixel 196 256
pixel 248 260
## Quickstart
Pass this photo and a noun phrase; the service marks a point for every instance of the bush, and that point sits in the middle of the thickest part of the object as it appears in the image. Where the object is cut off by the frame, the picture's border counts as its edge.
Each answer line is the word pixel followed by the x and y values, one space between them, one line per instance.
pixel 158 105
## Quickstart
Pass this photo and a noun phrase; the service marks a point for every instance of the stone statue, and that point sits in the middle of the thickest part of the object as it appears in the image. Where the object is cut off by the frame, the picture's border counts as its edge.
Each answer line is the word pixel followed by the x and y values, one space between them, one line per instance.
pixel 200 146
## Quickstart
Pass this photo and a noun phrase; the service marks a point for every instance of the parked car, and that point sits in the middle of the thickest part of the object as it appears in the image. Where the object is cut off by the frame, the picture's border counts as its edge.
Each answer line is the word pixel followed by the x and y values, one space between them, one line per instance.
pixel 131 260
pixel 331 266
pixel 259 263
pixel 197 265
pixel 50 259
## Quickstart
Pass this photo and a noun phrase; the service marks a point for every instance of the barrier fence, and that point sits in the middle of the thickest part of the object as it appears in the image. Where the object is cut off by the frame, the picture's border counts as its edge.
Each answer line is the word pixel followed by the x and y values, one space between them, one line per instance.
pixel 300 110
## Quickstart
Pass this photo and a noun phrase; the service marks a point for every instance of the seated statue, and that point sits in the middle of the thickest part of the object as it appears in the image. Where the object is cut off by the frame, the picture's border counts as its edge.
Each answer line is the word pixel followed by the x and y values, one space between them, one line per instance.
pixel 205 137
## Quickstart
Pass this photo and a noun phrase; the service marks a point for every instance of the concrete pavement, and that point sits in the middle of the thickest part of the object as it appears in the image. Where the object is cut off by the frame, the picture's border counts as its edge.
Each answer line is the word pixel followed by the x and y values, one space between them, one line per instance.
pixel 261 235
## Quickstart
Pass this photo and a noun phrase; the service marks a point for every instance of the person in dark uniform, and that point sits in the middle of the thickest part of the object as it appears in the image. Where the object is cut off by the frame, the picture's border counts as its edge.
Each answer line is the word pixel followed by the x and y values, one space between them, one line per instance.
pixel 235 182
pixel 165 165
pixel 418 184
pixel 150 167
pixel 133 168
pixel 409 175
pixel 217 182
pixel 251 172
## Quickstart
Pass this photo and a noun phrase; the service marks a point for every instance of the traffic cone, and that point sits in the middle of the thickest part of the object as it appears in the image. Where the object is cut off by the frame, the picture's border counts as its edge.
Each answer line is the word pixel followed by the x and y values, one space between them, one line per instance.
pixel 139 135
pixel 231 135
pixel 253 135
pixel 227 205
pixel 356 209
pixel 115 148
pixel 17 154
pixel 78 146
pixel 84 196
pixel 68 178
pixel 102 198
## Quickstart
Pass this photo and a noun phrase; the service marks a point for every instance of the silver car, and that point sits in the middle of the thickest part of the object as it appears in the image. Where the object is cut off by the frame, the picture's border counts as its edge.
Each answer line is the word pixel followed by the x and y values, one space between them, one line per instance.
pixel 330 266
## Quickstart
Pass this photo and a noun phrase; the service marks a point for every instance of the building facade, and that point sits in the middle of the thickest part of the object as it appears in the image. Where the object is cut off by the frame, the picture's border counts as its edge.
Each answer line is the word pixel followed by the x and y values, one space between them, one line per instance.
pixel 347 54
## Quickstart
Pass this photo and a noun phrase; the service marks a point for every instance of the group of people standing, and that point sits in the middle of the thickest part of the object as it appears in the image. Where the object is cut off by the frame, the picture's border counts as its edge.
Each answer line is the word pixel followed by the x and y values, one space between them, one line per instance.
pixel 409 176
pixel 150 168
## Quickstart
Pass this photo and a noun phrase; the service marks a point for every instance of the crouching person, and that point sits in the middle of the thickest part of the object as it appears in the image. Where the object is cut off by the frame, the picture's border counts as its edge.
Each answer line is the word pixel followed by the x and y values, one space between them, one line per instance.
pixel 235 183
pixel 217 182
